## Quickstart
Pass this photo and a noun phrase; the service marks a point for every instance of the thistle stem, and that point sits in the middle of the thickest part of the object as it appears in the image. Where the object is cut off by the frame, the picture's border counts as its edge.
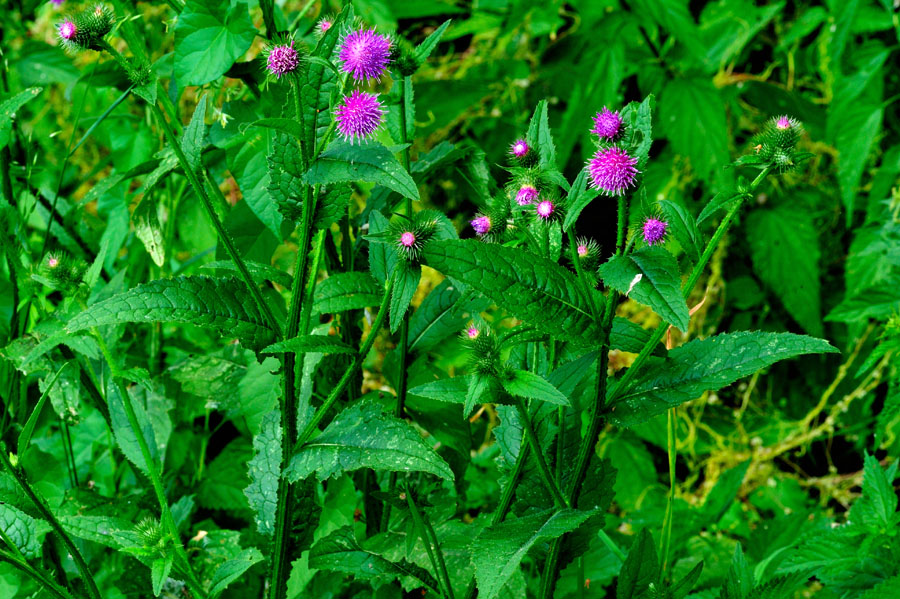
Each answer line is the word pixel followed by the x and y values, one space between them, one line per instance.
pixel 432 546
pixel 545 473
pixel 41 578
pixel 666 539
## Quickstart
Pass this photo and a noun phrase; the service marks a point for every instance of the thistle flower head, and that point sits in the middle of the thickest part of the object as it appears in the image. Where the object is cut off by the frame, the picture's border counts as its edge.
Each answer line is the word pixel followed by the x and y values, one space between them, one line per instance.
pixel 67 30
pixel 607 124
pixel 587 252
pixel 519 148
pixel 545 209
pixel 282 59
pixel 781 133
pixel 409 236
pixel 365 54
pixel 654 230
pixel 526 195
pixel 359 115
pixel 323 25
pixel 612 170
pixel 481 224
pixel 57 2
pixel 407 239
pixel 785 122
pixel 472 331
pixel 52 261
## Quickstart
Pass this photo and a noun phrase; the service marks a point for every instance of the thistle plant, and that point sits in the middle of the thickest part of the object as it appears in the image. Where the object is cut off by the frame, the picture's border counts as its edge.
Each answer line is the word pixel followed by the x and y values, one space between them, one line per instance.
pixel 310 342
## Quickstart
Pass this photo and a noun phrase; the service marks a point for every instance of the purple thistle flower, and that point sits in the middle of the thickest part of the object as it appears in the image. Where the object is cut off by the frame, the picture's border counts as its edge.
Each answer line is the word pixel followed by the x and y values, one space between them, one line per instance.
pixel 519 148
pixel 545 209
pixel 365 54
pixel 407 240
pixel 481 224
pixel 654 230
pixel 323 25
pixel 612 170
pixel 359 115
pixel 527 194
pixel 472 332
pixel 607 124
pixel 582 250
pixel 785 122
pixel 67 30
pixel 282 60
pixel 52 261
pixel 57 2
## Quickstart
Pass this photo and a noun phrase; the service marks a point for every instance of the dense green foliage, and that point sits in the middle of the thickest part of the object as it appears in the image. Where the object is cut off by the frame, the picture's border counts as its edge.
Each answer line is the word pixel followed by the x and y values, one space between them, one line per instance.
pixel 243 356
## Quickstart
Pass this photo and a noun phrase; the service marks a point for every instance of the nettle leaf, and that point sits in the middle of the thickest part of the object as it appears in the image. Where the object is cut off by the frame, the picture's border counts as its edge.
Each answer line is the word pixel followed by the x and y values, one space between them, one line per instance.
pixel 406 281
pixel 641 568
pixel 784 246
pixel 342 162
pixel 500 548
pixel 98 529
pixel 193 140
pixel 451 390
pixel 222 304
pixel 148 229
pixel 285 172
pixel 540 136
pixel 532 288
pixel 264 471
pixel 363 436
pixel 341 552
pixel 739 582
pixel 705 365
pixel 878 506
pixel 323 344
pixel 347 291
pixel 684 228
pixel 529 385
pixel 25 532
pixel 124 434
pixel 232 569
pixel 578 199
pixel 650 276
pixel 209 36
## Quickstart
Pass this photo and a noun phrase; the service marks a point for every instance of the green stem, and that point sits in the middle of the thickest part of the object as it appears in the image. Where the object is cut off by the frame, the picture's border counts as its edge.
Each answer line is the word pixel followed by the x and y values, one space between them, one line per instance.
pixel 47 515
pixel 666 538
pixel 586 286
pixel 299 16
pixel 223 235
pixel 545 473
pixel 168 521
pixel 268 13
pixel 41 578
pixel 432 547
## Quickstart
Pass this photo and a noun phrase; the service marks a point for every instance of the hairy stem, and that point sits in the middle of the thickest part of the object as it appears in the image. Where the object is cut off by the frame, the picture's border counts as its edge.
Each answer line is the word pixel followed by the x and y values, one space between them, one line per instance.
pixel 543 469
pixel 666 538
pixel 432 547
pixel 38 576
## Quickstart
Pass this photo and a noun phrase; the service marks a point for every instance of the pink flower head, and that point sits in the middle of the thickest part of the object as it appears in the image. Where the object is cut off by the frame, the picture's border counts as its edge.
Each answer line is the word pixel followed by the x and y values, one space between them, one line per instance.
pixel 57 2
pixel 582 250
pixel 365 54
pixel 607 124
pixel 472 332
pixel 519 148
pixel 282 59
pixel 67 30
pixel 481 224
pixel 527 194
pixel 52 261
pixel 785 122
pixel 407 240
pixel 654 230
pixel 323 25
pixel 612 170
pixel 359 115
pixel 545 209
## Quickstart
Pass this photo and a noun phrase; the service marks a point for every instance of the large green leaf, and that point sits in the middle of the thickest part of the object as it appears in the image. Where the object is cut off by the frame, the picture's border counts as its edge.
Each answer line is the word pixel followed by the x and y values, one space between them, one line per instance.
pixel 501 547
pixel 341 552
pixel 640 570
pixel 684 228
pixel 125 434
pixel 650 276
pixel 784 246
pixel 264 471
pixel 25 532
pixel 529 385
pixel 343 162
pixel 363 436
pixel 232 569
pixel 705 365
pixel 539 135
pixel 695 123
pixel 222 304
pixel 347 291
pixel 532 288
pixel 209 36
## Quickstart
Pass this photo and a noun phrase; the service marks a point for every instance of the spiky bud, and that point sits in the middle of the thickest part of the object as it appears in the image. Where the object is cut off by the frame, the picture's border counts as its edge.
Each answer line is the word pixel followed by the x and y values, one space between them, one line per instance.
pixel 282 59
pixel 654 230
pixel 587 252
pixel 410 236
pixel 62 272
pixel 607 125
pixel 783 132
pixel 485 351
pixel 322 26
pixel 86 30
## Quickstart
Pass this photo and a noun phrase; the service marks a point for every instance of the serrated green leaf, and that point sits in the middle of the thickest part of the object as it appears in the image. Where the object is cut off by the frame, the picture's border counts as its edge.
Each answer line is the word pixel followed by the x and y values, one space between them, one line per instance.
pixel 223 304
pixel 784 246
pixel 695 123
pixel 124 434
pixel 289 126
pixel 148 229
pixel 332 205
pixel 323 344
pixel 285 173
pixel 98 529
pixel 424 50
pixel 720 201
pixel 705 365
pixel 259 271
pixel 233 569
pixel 25 532
pixel 342 162
pixel 529 385
pixel 442 313
pixel 501 547
pixel 627 336
pixel 264 471
pixel 532 288
pixel 347 291
pixel 578 199
pixel 539 135
pixel 740 577
pixel 451 390
pixel 193 140
pixel 209 36
pixel 639 134
pixel 406 281
pixel 684 586
pixel 641 568
pixel 341 552
pixel 684 228
pixel 363 436
pixel 879 301
pixel 878 506
pixel 650 276
pixel 159 572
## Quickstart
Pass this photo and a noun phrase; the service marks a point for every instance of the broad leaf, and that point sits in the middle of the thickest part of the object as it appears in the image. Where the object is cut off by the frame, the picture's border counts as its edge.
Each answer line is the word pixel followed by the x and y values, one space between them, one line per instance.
pixel 705 365
pixel 347 291
pixel 363 436
pixel 451 390
pixel 684 228
pixel 223 304
pixel 232 569
pixel 406 281
pixel 641 568
pixel 538 291
pixel 209 36
pixel 264 471
pixel 650 276
pixel 343 162
pixel 539 135
pixel 25 532
pixel 323 344
pixel 522 383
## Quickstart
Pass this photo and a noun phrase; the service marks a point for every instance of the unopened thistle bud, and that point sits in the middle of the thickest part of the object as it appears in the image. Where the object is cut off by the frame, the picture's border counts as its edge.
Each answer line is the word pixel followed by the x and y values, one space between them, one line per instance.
pixel 485 348
pixel 783 132
pixel 587 252
pixel 607 124
pixel 365 54
pixel 86 30
pixel 323 26
pixel 410 236
pixel 654 230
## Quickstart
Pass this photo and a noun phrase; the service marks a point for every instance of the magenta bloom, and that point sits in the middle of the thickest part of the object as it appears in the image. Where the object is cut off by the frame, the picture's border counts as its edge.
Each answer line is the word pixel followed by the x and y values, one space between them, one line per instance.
pixel 57 2
pixel 67 30
pixel 519 148
pixel 407 239
pixel 607 124
pixel 365 54
pixel 526 195
pixel 481 224
pixel 52 261
pixel 359 115
pixel 472 332
pixel 323 25
pixel 282 60
pixel 582 250
pixel 612 170
pixel 545 209
pixel 654 230
pixel 785 122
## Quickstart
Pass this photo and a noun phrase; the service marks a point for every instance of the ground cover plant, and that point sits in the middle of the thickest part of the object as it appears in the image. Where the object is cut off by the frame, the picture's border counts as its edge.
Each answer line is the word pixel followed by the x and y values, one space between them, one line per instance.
pixel 444 299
